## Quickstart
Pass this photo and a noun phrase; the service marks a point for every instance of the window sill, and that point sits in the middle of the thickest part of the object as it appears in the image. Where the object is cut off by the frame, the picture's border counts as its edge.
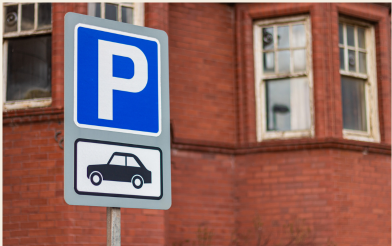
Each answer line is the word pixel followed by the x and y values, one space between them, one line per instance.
pixel 281 145
pixel 26 104
pixel 32 114
pixel 282 135
pixel 359 136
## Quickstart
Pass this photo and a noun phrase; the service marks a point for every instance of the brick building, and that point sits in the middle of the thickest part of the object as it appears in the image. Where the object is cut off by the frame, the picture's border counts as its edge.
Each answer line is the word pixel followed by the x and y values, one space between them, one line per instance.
pixel 280 112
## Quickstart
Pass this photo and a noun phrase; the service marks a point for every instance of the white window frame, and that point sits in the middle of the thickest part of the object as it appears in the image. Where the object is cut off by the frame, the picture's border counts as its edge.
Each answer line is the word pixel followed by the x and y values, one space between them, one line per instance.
pixel 138 11
pixel 28 103
pixel 261 77
pixel 372 134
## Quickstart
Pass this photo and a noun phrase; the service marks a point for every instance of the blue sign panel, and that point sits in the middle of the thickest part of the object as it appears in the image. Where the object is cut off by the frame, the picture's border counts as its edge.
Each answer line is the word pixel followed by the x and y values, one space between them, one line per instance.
pixel 117 81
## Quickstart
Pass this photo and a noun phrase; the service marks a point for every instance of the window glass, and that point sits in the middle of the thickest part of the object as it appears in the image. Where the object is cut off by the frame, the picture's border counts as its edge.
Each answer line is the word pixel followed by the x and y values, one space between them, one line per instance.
pixel 131 162
pixel 353 103
pixel 111 11
pixel 27 17
pixel 287 104
pixel 11 18
pixel 361 37
pixel 278 105
pixel 299 58
pixel 283 37
pixel 351 60
pixel 284 61
pixel 299 37
pixel 341 55
pixel 28 54
pixel 29 68
pixel 269 62
pixel 354 49
pixel 127 15
pixel 340 33
pixel 350 35
pixel 118 160
pixel 44 15
pixel 94 9
pixel 362 62
pixel 268 38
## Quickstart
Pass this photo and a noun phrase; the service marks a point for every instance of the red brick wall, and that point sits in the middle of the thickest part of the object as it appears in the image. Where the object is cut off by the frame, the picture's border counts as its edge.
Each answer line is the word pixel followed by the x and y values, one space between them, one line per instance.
pixel 32 186
pixel 282 187
pixel 342 195
pixel 202 89
pixel 362 202
pixel 203 197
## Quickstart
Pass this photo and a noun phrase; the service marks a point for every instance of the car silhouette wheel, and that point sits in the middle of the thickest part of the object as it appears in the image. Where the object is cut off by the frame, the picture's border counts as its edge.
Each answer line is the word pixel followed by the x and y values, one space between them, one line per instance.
pixel 96 178
pixel 137 182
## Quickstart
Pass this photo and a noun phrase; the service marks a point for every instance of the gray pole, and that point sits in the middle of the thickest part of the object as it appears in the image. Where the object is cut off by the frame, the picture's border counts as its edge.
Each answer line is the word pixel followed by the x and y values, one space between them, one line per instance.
pixel 113 216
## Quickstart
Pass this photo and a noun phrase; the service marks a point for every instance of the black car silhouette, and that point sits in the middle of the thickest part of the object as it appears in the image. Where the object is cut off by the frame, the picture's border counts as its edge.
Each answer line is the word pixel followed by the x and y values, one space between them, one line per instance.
pixel 122 167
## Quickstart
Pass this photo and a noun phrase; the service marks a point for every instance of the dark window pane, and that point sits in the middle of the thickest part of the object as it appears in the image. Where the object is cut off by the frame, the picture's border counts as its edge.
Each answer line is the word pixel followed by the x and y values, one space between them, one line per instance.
pixel 362 62
pixel 340 34
pixel 127 15
pixel 341 53
pixel 29 68
pixel 353 104
pixel 268 38
pixel 350 35
pixel 111 11
pixel 11 18
pixel 361 37
pixel 44 15
pixel 27 17
pixel 351 60
pixel 278 105
pixel 94 9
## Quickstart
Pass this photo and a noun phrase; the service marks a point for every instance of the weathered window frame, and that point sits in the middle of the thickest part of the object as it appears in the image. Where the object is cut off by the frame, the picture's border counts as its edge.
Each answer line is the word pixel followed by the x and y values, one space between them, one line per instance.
pixel 372 134
pixel 29 103
pixel 261 77
pixel 138 11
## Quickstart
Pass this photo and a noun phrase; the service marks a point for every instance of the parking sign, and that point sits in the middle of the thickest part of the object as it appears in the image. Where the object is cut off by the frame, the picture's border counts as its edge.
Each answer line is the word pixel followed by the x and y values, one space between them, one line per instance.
pixel 116 116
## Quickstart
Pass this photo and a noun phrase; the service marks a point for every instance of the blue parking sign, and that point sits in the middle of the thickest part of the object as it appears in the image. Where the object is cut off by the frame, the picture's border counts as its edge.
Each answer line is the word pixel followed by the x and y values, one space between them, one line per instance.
pixel 117 81
pixel 116 114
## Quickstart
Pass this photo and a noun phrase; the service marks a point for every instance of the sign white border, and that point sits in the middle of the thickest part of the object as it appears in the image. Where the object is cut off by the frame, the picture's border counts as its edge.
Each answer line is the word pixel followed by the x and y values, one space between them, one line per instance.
pixel 76 82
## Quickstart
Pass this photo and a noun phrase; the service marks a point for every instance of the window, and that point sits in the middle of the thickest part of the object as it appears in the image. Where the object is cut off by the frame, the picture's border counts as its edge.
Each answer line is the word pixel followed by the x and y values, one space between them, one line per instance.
pixel 118 160
pixel 131 162
pixel 358 80
pixel 283 78
pixel 132 13
pixel 27 46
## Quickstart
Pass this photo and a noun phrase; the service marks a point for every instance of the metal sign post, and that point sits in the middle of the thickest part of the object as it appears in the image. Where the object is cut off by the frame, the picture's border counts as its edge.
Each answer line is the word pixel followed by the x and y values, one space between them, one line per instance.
pixel 116 117
pixel 113 216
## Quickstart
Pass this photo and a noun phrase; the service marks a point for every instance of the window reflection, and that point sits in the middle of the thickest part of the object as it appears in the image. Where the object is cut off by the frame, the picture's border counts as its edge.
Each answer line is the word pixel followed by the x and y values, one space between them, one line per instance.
pixel 287 102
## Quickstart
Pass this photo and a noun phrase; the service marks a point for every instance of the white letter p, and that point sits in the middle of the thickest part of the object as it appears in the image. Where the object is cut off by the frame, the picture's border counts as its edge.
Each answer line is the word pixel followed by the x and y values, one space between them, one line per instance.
pixel 107 83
